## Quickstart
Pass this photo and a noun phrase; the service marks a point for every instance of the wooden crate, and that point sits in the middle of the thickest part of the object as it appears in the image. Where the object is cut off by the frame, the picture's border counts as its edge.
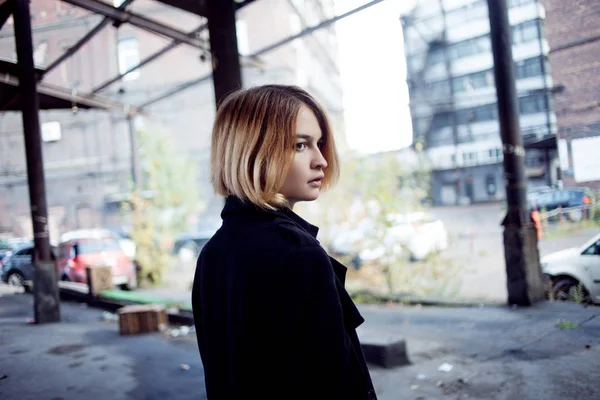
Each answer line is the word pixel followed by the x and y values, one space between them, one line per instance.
pixel 141 318
pixel 99 278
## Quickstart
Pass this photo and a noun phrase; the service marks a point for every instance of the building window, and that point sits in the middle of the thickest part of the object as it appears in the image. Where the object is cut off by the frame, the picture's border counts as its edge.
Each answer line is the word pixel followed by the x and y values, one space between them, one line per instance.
pixel 525 32
pixel 129 56
pixel 441 120
pixel 486 112
pixel 70 69
pixel 470 12
pixel 532 104
pixel 470 158
pixel 528 68
pixel 470 47
pixel 516 3
pixel 40 51
pixel 241 28
pixel 495 155
pixel 439 88
pixel 473 81
pixel 436 55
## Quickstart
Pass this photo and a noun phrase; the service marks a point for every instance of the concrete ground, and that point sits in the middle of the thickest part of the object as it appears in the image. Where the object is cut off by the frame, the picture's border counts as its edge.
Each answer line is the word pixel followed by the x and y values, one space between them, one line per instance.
pixel 548 351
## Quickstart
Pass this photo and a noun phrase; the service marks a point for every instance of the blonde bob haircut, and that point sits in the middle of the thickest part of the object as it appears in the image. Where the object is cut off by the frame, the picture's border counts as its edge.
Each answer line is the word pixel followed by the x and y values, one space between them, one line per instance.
pixel 253 143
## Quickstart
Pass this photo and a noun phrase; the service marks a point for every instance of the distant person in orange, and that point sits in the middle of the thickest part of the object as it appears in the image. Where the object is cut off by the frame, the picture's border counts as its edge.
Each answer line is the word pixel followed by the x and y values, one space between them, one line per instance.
pixel 535 216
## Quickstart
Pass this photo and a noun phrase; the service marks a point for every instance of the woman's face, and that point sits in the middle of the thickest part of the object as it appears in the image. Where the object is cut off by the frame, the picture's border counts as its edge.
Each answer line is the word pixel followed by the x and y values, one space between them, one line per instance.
pixel 303 182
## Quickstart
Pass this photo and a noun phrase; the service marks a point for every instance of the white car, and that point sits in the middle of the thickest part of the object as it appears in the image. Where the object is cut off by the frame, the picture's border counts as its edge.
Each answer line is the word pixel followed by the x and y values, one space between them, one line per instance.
pixel 419 233
pixel 569 268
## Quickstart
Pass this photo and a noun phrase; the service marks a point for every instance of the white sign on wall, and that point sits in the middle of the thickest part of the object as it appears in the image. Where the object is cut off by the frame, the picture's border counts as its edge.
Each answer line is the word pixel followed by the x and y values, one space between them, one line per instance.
pixel 51 131
pixel 563 154
pixel 586 159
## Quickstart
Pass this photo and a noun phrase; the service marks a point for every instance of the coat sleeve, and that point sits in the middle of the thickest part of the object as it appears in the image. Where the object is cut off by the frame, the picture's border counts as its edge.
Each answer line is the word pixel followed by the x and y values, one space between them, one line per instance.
pixel 325 362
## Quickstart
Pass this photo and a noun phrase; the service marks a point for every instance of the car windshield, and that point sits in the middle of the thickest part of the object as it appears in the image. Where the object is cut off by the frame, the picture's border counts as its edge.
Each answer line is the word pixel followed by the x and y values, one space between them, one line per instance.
pixel 89 246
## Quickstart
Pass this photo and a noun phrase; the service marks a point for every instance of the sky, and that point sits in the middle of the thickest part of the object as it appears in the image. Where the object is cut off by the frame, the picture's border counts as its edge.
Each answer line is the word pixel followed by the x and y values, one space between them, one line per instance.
pixel 373 72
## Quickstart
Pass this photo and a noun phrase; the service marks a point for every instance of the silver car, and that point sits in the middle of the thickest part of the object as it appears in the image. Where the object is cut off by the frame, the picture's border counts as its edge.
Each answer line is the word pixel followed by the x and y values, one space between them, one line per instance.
pixel 575 270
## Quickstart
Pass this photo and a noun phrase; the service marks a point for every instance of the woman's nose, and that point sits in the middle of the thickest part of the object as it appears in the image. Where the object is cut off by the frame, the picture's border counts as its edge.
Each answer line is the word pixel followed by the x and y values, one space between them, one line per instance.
pixel 319 161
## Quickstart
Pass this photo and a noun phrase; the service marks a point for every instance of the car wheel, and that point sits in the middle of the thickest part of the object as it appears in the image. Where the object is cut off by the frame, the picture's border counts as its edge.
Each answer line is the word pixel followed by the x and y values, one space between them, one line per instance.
pixel 131 285
pixel 575 215
pixel 566 290
pixel 16 279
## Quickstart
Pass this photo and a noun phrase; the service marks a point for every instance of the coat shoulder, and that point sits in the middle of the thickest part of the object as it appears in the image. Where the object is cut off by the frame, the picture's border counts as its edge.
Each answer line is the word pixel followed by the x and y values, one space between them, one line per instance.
pixel 292 233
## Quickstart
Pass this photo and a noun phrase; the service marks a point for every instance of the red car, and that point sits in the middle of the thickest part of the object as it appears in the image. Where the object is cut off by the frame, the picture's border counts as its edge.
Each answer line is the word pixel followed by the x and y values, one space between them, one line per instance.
pixel 78 250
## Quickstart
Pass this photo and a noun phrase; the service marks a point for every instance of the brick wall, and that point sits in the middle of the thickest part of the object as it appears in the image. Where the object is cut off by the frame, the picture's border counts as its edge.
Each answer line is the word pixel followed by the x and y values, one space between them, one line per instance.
pixel 573 33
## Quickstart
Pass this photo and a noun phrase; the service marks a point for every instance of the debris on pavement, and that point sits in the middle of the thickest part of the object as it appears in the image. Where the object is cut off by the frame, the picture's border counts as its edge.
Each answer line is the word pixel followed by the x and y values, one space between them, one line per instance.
pixel 445 367
pixel 3 377
pixel 564 324
pixel 185 330
pixel 422 377
pixel 184 367
pixel 108 316
pixel 30 320
pixel 179 331
pixel 414 387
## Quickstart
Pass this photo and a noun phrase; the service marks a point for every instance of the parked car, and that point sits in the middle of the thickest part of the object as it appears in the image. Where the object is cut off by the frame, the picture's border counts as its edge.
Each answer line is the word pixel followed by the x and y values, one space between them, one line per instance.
pixel 5 249
pixel 568 269
pixel 187 246
pixel 124 239
pixel 18 268
pixel 80 249
pixel 572 200
pixel 420 233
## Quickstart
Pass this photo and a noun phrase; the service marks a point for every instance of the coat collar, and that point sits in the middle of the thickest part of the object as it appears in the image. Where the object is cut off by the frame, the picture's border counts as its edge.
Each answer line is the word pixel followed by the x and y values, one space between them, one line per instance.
pixel 234 205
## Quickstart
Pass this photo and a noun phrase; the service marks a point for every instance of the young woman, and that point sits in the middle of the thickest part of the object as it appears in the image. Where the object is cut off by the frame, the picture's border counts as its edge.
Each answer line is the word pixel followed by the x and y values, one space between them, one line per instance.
pixel 272 317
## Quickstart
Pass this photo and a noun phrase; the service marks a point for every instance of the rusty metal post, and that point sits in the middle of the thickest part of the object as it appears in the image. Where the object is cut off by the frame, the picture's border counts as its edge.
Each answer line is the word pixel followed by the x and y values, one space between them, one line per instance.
pixel 524 277
pixel 45 289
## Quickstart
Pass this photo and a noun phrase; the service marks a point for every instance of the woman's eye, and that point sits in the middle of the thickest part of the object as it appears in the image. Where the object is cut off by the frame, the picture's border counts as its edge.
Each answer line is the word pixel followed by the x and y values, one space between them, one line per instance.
pixel 320 145
pixel 300 146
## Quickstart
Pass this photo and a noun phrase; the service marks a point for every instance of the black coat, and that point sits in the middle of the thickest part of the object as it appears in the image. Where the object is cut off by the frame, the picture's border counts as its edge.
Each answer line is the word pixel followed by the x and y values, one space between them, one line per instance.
pixel 272 317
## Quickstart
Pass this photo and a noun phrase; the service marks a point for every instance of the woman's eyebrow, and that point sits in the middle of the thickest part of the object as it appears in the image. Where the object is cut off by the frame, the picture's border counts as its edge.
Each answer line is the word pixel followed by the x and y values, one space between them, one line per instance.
pixel 307 137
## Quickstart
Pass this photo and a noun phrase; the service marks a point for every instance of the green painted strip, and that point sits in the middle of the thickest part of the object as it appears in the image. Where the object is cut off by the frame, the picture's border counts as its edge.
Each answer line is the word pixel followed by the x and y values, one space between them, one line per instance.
pixel 138 298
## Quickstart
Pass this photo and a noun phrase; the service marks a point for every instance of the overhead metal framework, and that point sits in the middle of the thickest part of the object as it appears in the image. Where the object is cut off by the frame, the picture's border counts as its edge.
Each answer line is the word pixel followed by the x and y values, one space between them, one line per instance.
pixel 121 14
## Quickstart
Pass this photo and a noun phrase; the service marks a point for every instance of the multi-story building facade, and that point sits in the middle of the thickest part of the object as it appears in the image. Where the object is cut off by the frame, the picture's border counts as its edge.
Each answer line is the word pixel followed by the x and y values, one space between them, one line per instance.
pixel 453 98
pixel 573 33
pixel 87 154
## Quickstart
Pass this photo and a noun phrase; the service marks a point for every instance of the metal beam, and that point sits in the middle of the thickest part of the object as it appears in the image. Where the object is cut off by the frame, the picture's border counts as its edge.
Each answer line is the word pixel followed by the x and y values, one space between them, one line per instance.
pixel 88 36
pixel 198 7
pixel 83 99
pixel 147 24
pixel 176 90
pixel 311 29
pixel 147 60
pixel 6 9
pixel 262 51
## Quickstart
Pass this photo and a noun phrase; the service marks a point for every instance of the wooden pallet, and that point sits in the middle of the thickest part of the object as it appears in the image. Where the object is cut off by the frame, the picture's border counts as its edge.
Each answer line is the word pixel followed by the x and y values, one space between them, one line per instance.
pixel 141 318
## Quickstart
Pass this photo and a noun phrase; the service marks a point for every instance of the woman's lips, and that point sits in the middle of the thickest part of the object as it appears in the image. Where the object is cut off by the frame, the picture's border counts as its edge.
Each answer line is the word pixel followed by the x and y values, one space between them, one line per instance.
pixel 316 182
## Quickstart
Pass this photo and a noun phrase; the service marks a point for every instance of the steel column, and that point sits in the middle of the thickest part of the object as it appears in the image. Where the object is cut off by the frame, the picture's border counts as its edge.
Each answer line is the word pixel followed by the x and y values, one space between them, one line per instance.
pixel 46 304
